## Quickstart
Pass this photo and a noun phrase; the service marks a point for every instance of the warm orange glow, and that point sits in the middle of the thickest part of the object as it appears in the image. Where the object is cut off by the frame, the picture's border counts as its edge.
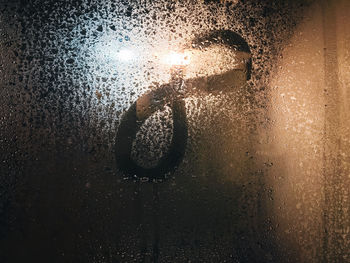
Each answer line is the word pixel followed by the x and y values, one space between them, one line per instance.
pixel 177 58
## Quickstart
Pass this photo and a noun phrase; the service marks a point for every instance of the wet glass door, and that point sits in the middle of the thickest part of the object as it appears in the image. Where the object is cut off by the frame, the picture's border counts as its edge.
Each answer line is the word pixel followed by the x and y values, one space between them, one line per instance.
pixel 174 131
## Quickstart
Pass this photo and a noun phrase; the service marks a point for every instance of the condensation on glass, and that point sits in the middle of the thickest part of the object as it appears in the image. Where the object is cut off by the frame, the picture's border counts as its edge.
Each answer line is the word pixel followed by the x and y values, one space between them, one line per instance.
pixel 174 131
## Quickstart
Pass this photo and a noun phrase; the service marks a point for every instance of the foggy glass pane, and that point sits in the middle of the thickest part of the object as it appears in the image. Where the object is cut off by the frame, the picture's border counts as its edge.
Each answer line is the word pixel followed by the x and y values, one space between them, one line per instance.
pixel 174 131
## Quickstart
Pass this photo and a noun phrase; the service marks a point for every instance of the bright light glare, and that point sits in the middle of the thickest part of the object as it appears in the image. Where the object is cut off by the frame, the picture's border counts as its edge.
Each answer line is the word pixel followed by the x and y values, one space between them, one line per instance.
pixel 177 59
pixel 125 55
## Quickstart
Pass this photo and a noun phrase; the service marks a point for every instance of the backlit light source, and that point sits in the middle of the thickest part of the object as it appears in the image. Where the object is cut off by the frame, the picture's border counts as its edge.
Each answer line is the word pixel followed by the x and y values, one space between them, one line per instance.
pixel 177 58
pixel 125 55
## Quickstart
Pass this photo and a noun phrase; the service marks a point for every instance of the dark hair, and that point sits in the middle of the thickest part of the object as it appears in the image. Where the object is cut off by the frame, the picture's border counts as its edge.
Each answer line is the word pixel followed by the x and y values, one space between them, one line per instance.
pixel 227 38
